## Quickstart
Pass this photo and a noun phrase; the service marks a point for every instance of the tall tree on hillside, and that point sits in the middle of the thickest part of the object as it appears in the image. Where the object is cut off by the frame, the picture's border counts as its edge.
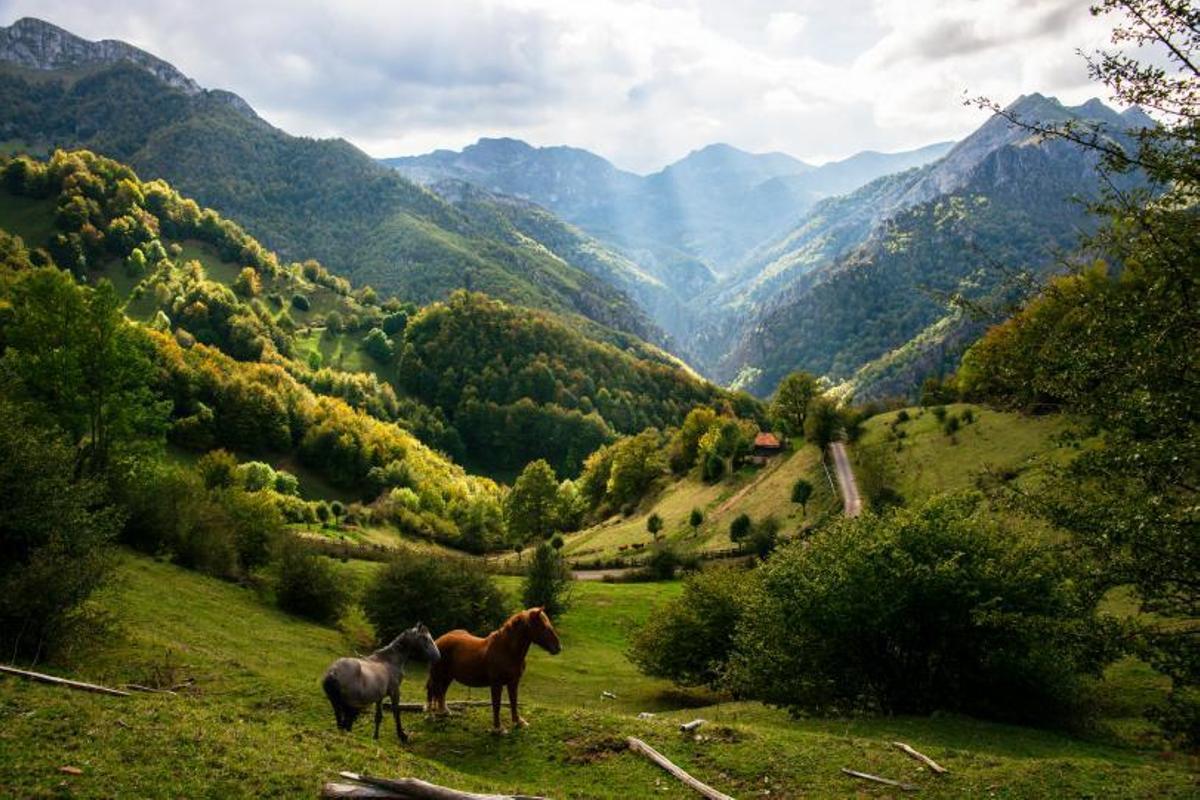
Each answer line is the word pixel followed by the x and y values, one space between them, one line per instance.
pixel 789 406
pixel 1118 346
pixel 533 502
pixel 71 351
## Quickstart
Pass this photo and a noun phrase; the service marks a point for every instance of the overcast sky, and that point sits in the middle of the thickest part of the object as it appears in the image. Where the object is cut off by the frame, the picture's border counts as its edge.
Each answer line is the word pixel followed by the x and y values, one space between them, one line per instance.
pixel 640 83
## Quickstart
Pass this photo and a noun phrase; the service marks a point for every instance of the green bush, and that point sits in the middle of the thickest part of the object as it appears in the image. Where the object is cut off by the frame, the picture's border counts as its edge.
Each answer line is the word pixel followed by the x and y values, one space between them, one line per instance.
pixel 443 593
pixel 763 538
pixel 55 537
pixel 300 302
pixel 309 585
pixel 937 607
pixel 547 581
pixel 739 529
pixel 218 469
pixel 257 526
pixel 689 639
pixel 665 561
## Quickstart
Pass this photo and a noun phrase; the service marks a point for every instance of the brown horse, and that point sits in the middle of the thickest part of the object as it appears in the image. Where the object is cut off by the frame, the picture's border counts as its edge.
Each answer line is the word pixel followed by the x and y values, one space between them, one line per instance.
pixel 496 661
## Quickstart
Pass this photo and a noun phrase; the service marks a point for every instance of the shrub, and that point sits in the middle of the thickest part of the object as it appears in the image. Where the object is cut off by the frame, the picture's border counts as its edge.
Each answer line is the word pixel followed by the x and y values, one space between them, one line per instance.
pixel 654 524
pixel 300 302
pixel 55 535
pixel 939 412
pixel 255 476
pixel 160 501
pixel 696 519
pixel 286 483
pixel 740 527
pixel 547 581
pixel 763 538
pixel 257 526
pixel 950 425
pixel 443 593
pixel 207 543
pixel 689 639
pixel 937 607
pixel 902 415
pixel 218 469
pixel 665 561
pixel 308 584
pixel 801 492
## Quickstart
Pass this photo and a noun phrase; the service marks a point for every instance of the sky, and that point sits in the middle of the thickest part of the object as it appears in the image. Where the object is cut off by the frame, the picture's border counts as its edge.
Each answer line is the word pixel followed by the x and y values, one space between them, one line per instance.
pixel 641 82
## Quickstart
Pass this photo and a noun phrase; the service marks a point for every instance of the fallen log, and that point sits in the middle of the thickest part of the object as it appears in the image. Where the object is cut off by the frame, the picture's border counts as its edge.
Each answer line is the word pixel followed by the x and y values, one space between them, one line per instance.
pixel 688 727
pixel 924 759
pixel 412 789
pixel 638 746
pixel 866 776
pixel 51 679
pixel 356 791
pixel 137 687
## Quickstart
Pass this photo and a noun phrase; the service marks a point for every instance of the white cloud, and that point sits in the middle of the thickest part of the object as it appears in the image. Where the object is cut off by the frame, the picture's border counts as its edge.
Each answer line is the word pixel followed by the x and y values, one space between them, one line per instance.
pixel 639 81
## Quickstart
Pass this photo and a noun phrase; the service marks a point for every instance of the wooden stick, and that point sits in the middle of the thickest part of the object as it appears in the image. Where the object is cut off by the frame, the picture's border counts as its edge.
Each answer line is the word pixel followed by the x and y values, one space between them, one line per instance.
pixel 638 746
pixel 414 789
pixel 866 776
pixel 926 760
pixel 137 687
pixel 41 678
pixel 354 791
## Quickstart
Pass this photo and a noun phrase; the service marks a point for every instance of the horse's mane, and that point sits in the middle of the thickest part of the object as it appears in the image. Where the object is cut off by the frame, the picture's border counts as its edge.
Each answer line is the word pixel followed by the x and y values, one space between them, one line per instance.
pixel 512 623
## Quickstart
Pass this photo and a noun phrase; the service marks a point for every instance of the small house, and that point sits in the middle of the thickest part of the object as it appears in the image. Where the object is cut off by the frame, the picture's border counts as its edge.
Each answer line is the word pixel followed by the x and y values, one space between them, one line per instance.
pixel 766 445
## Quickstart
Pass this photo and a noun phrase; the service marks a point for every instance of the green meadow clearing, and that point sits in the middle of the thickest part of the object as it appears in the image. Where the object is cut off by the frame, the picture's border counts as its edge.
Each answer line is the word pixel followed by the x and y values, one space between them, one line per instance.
pixel 255 722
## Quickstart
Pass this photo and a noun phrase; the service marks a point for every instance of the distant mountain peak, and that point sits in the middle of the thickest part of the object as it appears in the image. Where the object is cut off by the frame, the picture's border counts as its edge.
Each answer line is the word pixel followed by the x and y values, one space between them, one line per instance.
pixel 36 44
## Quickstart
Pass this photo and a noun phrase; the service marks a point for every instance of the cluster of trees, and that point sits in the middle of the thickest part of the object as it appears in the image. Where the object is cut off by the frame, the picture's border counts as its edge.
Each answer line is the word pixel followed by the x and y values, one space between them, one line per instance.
pixel 1114 343
pixel 105 215
pixel 483 362
pixel 937 607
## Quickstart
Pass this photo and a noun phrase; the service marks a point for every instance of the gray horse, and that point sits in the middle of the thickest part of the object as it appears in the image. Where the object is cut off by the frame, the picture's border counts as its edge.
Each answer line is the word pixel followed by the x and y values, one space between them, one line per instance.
pixel 352 684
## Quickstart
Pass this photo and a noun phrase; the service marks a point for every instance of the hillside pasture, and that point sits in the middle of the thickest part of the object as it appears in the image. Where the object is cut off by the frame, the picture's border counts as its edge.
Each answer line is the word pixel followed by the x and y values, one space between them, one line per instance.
pixel 254 723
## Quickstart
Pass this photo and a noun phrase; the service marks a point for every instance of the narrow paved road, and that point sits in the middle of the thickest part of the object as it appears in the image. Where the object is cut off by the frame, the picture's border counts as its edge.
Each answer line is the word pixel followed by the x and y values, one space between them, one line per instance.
pixel 851 502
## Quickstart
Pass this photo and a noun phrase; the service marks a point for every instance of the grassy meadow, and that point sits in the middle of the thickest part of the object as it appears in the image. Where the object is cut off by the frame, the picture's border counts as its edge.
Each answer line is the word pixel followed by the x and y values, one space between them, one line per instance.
pixel 757 491
pixel 255 722
pixel 926 461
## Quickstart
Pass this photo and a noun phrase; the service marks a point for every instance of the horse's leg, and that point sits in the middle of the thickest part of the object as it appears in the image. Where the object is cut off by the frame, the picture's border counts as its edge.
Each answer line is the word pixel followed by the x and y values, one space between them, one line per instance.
pixel 378 715
pixel 517 720
pixel 497 688
pixel 396 714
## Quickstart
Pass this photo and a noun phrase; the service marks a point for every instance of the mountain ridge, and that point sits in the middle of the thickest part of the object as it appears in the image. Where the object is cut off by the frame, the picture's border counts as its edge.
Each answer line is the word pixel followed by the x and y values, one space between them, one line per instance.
pixel 301 197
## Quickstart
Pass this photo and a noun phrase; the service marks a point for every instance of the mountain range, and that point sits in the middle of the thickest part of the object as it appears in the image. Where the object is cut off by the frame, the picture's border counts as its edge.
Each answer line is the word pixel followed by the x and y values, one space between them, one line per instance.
pixel 304 198
pixel 747 265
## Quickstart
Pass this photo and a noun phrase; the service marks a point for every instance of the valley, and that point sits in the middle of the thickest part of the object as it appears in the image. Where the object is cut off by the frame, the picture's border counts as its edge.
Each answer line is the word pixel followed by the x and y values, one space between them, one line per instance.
pixel 832 457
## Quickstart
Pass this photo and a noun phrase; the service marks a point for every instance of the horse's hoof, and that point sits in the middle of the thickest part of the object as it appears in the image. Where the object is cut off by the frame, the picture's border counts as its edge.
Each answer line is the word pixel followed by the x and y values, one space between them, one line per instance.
pixel 404 737
pixel 499 732
pixel 521 723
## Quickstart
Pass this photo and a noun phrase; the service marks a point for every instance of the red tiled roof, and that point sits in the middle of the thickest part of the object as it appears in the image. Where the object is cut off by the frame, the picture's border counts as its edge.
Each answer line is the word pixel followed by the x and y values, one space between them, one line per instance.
pixel 766 440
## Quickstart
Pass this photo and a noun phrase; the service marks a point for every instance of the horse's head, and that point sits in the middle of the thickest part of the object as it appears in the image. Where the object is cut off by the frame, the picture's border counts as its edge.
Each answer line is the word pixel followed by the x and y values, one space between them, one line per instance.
pixel 416 642
pixel 423 644
pixel 541 631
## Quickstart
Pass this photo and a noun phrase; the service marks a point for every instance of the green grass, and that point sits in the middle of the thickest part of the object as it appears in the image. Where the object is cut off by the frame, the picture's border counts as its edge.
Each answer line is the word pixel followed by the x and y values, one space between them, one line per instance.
pixel 929 462
pixel 759 492
pixel 341 351
pixel 256 724
pixel 31 219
